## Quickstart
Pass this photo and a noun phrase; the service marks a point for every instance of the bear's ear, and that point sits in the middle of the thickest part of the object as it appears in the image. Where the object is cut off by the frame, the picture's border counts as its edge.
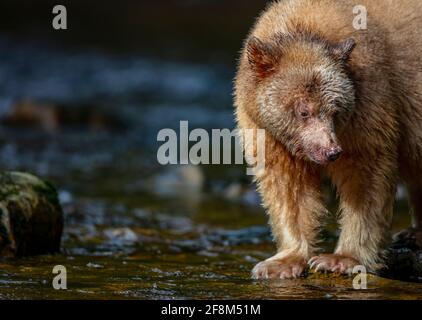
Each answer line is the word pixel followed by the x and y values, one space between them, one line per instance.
pixel 262 57
pixel 343 50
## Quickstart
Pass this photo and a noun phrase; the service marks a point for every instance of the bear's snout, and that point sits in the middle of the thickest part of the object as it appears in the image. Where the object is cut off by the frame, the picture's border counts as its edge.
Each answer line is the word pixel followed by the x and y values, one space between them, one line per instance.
pixel 324 155
pixel 334 153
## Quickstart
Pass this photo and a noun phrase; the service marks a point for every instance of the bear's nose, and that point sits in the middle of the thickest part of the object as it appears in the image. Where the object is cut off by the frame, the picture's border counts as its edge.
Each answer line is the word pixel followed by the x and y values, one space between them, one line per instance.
pixel 334 153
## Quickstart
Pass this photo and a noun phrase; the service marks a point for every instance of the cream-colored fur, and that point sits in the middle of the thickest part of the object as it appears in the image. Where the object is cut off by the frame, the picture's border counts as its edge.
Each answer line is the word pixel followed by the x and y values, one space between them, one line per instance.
pixel 379 93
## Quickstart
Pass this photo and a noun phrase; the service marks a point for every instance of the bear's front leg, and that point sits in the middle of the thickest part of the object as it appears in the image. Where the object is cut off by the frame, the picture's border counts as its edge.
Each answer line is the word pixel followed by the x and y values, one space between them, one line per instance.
pixel 366 191
pixel 290 190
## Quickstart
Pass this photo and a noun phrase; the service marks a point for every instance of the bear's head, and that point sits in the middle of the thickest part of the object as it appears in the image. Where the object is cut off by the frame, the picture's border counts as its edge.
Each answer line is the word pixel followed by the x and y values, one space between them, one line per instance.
pixel 303 92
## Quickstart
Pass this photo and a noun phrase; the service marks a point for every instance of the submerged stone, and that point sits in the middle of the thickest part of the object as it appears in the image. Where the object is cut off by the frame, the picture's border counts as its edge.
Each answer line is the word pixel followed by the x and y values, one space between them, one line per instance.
pixel 404 260
pixel 31 218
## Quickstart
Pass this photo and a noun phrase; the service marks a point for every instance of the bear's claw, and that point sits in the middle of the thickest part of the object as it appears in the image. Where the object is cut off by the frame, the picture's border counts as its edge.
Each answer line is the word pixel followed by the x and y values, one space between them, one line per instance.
pixel 333 263
pixel 283 268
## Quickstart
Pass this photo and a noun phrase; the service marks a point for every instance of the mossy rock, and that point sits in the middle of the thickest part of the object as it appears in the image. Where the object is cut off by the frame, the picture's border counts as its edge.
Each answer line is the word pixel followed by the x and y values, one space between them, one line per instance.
pixel 31 218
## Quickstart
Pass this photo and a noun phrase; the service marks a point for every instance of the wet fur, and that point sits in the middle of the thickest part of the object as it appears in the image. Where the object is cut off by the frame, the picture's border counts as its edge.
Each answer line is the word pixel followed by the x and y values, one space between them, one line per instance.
pixel 381 132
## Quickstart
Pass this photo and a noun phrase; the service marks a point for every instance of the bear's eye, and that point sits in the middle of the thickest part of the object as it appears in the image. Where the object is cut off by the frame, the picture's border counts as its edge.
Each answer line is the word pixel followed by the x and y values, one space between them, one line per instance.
pixel 302 110
pixel 304 114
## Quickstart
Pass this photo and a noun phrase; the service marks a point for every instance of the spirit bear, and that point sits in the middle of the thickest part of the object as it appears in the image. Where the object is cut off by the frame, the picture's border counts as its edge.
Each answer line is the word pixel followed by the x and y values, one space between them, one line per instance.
pixel 336 102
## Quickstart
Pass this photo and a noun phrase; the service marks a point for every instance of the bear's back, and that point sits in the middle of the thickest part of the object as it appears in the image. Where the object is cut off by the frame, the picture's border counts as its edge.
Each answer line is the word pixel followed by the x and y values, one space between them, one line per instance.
pixel 389 47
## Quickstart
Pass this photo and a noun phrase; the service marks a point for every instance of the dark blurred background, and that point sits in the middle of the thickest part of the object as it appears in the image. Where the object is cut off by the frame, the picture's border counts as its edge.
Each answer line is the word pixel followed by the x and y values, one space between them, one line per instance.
pixel 124 69
pixel 192 30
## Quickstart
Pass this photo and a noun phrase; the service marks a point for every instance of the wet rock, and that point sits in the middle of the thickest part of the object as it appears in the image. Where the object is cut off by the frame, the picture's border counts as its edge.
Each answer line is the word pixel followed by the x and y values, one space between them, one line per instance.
pixel 65 197
pixel 180 180
pixel 30 114
pixel 404 260
pixel 157 220
pixel 251 235
pixel 85 212
pixel 184 182
pixel 94 265
pixel 121 236
pixel 246 194
pixel 53 117
pixel 31 219
pixel 80 232
pixel 222 239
